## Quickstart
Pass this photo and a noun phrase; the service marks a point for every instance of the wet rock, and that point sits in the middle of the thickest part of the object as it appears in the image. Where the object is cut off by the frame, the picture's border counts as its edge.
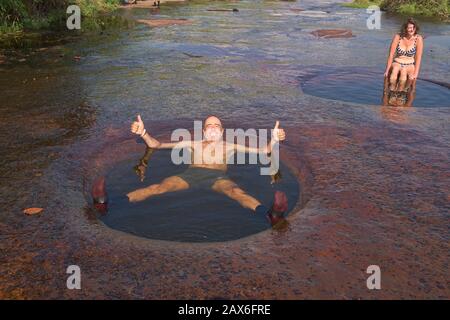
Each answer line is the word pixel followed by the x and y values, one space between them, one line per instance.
pixel 332 33
pixel 225 10
pixel 32 211
pixel 441 83
pixel 192 55
pixel 314 14
pixel 164 22
pixel 300 12
pixel 147 4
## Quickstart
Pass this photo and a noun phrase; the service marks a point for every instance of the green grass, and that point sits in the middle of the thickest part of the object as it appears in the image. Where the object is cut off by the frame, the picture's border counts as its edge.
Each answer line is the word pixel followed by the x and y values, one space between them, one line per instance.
pixel 412 10
pixel 430 8
pixel 426 8
pixel 27 15
pixel 362 4
pixel 90 8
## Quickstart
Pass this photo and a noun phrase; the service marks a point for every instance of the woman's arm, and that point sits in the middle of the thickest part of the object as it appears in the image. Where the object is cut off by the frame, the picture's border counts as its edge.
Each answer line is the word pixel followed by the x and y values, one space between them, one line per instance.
pixel 419 53
pixel 394 43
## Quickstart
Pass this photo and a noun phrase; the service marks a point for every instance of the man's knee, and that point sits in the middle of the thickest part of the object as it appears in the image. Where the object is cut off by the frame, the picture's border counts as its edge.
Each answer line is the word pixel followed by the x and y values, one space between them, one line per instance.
pixel 236 192
pixel 155 188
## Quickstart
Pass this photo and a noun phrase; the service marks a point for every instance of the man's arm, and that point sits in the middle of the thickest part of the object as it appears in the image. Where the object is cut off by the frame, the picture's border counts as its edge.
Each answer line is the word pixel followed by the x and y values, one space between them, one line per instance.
pixel 137 127
pixel 277 135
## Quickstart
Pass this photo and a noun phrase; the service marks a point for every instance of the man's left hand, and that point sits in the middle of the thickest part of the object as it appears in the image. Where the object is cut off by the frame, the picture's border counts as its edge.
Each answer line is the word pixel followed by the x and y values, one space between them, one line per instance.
pixel 277 133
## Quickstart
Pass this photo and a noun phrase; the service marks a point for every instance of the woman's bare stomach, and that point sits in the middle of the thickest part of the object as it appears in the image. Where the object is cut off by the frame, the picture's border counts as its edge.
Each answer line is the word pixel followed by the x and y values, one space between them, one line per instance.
pixel 404 59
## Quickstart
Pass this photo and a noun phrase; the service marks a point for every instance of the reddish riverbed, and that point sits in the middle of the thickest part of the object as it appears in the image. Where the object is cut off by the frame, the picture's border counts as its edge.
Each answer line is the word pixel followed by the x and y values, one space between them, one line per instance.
pixel 374 181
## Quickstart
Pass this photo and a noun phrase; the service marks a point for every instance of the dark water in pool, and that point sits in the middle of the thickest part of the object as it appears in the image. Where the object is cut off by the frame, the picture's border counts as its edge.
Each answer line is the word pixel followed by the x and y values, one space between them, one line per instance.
pixel 196 215
pixel 365 86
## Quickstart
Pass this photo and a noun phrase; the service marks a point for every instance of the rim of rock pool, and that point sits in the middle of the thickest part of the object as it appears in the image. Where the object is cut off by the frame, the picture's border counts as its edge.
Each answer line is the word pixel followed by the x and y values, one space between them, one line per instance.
pixel 317 81
pixel 98 164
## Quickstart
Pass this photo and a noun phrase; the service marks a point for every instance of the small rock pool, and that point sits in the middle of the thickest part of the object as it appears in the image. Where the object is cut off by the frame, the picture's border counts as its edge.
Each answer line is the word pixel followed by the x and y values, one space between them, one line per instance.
pixel 193 215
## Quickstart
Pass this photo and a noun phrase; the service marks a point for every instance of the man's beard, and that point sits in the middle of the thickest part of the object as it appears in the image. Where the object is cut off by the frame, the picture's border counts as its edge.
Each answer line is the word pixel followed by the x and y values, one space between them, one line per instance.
pixel 213 135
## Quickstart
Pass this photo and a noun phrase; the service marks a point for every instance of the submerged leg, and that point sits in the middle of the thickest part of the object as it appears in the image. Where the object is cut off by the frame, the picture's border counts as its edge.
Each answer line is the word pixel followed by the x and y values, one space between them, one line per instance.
pixel 170 184
pixel 274 214
pixel 402 79
pixel 231 189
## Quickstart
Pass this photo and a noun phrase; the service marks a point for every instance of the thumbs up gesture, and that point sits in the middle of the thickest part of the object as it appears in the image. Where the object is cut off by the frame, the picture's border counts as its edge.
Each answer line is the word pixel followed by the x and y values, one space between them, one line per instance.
pixel 277 133
pixel 137 126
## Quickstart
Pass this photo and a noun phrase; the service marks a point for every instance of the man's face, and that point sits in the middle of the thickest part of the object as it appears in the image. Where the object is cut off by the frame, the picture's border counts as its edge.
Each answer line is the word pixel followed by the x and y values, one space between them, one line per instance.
pixel 212 130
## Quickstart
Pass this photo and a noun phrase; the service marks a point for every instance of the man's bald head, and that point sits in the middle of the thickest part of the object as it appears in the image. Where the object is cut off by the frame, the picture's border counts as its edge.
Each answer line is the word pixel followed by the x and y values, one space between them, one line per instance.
pixel 212 128
pixel 212 121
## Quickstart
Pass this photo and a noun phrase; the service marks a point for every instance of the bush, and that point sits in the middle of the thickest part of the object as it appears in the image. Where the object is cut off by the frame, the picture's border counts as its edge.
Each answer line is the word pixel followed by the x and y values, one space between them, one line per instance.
pixel 17 15
pixel 362 4
pixel 429 8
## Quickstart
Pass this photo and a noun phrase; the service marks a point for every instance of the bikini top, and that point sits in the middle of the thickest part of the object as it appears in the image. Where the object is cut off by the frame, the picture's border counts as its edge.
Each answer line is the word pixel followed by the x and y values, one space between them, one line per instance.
pixel 408 53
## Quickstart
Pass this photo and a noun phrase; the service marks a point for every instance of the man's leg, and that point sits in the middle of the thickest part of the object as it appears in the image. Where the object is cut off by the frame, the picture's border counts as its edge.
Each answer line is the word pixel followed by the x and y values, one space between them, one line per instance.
pixel 170 184
pixel 275 214
pixel 232 190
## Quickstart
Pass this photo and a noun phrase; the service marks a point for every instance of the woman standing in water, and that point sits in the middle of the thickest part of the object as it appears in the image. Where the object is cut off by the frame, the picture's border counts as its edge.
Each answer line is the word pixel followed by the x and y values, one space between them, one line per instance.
pixel 405 55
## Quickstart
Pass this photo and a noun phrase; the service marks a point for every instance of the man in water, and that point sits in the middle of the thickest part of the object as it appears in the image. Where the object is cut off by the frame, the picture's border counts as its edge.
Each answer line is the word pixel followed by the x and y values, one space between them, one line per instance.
pixel 208 169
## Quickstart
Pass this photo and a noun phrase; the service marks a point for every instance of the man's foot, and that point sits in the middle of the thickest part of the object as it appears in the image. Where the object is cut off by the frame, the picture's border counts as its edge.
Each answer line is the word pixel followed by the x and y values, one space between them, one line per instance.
pixel 99 196
pixel 278 209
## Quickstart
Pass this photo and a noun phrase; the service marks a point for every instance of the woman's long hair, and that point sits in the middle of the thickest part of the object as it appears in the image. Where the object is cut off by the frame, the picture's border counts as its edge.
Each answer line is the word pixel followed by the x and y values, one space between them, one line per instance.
pixel 403 30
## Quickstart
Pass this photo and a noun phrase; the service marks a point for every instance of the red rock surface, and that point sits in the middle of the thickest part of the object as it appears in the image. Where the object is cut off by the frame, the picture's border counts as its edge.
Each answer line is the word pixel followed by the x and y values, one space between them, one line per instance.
pixel 163 22
pixel 147 4
pixel 369 195
pixel 333 33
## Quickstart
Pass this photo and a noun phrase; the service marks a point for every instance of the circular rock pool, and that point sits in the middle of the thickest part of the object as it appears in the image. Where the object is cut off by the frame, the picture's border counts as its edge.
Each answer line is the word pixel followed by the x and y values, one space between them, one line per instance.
pixel 365 86
pixel 195 214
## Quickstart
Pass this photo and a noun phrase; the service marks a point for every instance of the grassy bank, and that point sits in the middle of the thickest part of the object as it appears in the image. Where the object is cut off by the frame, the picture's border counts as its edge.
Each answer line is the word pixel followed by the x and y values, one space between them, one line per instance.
pixel 21 15
pixel 427 8
pixel 362 4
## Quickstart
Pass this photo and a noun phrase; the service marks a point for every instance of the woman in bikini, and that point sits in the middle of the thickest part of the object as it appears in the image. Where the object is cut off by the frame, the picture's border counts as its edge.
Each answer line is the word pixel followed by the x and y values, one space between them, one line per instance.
pixel 405 55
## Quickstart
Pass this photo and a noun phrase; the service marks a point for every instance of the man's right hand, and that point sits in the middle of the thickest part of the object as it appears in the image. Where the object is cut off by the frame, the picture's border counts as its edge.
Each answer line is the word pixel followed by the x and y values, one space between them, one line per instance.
pixel 137 126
